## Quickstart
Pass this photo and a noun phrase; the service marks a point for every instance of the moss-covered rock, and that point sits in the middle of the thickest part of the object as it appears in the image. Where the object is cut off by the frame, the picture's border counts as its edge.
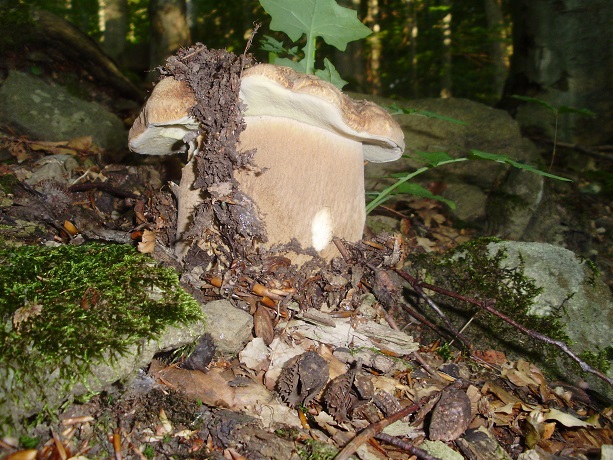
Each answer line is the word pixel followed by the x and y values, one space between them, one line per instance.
pixel 77 318
pixel 543 287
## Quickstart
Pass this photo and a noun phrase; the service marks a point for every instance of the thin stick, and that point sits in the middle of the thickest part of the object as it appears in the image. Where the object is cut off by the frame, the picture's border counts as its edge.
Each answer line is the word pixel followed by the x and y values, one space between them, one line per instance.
pixel 411 449
pixel 418 288
pixel 487 306
pixel 376 428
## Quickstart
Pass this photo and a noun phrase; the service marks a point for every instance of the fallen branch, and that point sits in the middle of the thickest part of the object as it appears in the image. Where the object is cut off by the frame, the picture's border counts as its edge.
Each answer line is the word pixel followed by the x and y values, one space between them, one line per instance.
pixel 487 306
pixel 376 428
pixel 411 449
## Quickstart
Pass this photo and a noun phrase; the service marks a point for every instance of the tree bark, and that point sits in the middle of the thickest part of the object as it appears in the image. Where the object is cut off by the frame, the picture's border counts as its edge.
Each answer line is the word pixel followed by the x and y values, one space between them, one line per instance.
pixel 446 77
pixel 115 13
pixel 562 55
pixel 169 30
pixel 65 40
pixel 498 53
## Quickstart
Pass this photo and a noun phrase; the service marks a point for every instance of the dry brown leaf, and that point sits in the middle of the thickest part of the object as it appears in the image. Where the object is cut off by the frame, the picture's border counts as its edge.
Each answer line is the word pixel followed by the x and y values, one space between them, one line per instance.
pixel 565 419
pixel 210 388
pixel 28 454
pixel 19 151
pixel 69 147
pixel 147 243
pixel 263 325
pixel 491 356
pixel 81 143
pixel 25 313
pixel 425 243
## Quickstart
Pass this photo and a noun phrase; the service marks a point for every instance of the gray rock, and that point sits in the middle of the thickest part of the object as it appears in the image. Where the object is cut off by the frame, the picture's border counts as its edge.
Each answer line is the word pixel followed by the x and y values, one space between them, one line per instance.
pixel 59 388
pixel 229 326
pixel 470 183
pixel 469 199
pixel 51 113
pixel 571 286
pixel 55 167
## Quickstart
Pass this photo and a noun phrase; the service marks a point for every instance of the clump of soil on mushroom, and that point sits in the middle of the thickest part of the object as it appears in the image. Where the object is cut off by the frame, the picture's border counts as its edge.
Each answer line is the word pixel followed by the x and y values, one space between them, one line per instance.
pixel 214 78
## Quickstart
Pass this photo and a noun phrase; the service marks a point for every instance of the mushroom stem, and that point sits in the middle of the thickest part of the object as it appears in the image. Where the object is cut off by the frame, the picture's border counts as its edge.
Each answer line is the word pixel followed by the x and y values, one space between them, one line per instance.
pixel 188 198
pixel 312 184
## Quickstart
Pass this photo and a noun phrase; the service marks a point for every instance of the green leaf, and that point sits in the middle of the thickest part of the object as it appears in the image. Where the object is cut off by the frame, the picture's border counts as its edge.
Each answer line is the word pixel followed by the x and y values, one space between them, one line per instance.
pixel 510 161
pixel 411 188
pixel 435 158
pixel 584 112
pixel 315 18
pixel 555 110
pixel 271 45
pixel 535 100
pixel 395 109
pixel 331 75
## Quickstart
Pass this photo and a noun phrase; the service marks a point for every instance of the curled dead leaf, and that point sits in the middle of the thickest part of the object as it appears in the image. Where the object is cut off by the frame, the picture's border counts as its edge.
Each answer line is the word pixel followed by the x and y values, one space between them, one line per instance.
pixel 263 325
pixel 147 244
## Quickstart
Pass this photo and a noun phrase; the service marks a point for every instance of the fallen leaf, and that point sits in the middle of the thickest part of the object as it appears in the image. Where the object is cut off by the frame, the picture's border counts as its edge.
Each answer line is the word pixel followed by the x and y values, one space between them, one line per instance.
pixel 565 419
pixel 147 243
pixel 25 313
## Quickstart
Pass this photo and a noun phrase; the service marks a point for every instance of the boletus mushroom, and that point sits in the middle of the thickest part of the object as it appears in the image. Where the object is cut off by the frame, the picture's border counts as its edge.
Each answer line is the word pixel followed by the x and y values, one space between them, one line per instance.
pixel 311 141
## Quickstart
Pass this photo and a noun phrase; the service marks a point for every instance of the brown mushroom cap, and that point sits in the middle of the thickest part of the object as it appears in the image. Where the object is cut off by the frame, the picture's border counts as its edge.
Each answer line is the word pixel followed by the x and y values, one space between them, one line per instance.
pixel 281 92
pixel 164 120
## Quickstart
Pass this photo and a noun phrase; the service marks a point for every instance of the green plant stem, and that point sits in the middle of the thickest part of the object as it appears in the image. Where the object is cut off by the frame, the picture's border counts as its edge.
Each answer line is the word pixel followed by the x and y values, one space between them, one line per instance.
pixel 555 139
pixel 384 195
pixel 309 54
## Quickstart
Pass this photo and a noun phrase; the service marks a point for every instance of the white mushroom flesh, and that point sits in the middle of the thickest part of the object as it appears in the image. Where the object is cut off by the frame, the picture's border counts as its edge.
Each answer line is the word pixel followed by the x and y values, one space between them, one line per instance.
pixel 312 186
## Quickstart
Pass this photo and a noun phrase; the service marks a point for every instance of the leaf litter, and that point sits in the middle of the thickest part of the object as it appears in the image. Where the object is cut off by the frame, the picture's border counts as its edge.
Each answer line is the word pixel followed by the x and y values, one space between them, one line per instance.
pixel 312 385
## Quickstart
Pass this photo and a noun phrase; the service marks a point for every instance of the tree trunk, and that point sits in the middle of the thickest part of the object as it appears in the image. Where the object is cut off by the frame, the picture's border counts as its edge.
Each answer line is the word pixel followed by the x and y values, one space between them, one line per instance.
pixel 115 13
pixel 374 42
pixel 562 55
pixel 446 77
pixel 498 53
pixel 169 30
pixel 63 40
pixel 412 30
pixel 350 63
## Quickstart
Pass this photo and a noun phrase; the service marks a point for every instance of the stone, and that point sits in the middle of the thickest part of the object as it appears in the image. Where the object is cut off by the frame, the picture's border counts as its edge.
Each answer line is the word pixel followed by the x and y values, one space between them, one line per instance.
pixel 475 186
pixel 229 326
pixel 567 282
pixel 51 113
pixel 570 286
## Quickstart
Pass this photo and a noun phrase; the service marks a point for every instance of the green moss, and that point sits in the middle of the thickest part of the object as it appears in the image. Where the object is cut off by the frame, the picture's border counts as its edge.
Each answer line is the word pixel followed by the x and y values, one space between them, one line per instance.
pixel 471 271
pixel 28 442
pixel 600 360
pixel 317 450
pixel 8 182
pixel 63 309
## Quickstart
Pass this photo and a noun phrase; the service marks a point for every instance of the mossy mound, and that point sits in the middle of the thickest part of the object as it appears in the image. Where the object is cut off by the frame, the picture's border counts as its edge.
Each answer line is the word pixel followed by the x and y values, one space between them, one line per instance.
pixel 67 310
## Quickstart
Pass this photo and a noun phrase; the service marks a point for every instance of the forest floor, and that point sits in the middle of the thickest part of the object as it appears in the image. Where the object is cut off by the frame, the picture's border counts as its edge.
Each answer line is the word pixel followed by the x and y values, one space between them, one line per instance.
pixel 440 392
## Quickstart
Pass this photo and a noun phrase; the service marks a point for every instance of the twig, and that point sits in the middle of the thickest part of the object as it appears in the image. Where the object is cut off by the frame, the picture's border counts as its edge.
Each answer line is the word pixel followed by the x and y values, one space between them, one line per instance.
pixel 417 286
pixel 597 152
pixel 104 187
pixel 256 27
pixel 195 51
pixel 411 449
pixel 376 428
pixel 487 306
pixel 342 249
pixel 417 357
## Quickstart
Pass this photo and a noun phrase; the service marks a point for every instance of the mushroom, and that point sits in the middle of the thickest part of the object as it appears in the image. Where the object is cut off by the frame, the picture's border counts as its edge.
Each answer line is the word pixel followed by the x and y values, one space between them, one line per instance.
pixel 311 141
pixel 164 122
